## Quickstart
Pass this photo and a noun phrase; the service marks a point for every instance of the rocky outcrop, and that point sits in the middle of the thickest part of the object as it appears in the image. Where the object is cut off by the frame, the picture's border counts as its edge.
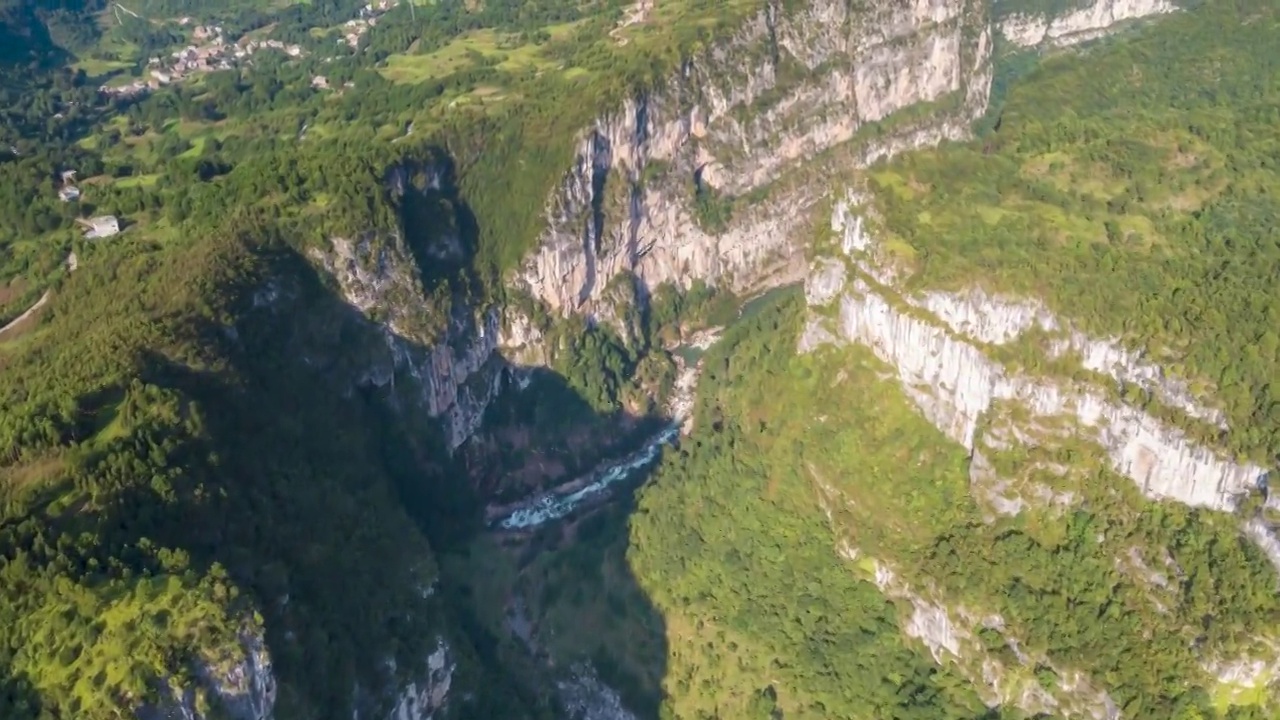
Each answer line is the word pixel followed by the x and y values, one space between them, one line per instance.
pixel 1243 676
pixel 422 700
pixel 1086 23
pixel 585 697
pixel 1010 494
pixel 1267 537
pixel 950 633
pixel 237 682
pixel 788 86
pixel 935 342
pixel 246 688
pixel 419 693
pixel 449 368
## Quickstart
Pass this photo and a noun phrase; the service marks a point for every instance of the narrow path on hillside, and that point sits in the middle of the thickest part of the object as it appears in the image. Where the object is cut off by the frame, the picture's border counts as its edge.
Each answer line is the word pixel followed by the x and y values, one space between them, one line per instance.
pixel 72 263
pixel 635 14
pixel 30 311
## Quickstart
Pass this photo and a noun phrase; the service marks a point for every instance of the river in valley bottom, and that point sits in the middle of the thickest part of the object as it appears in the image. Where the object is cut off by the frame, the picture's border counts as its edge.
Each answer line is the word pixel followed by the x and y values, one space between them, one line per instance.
pixel 559 502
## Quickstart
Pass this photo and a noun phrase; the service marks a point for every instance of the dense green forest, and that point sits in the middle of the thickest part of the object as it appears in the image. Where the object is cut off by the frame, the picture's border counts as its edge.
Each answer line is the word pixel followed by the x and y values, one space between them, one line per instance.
pixel 148 438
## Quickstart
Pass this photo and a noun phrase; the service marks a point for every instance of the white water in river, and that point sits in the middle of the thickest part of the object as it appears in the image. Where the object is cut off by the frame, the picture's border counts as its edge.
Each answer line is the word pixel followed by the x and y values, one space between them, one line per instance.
pixel 551 506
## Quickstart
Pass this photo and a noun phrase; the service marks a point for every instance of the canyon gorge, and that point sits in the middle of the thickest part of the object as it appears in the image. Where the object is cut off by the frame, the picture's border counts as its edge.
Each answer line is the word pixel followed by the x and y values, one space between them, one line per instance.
pixel 792 380
pixel 767 118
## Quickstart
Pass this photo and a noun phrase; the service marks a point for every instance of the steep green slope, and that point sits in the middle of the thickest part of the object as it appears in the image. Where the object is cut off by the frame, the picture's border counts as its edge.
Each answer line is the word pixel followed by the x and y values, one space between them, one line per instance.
pixel 1134 192
pixel 728 538
pixel 760 540
pixel 174 479
pixel 815 543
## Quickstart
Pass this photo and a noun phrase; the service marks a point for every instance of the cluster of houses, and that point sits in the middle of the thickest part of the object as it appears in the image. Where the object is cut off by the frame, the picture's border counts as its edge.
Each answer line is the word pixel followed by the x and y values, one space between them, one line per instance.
pixel 102 226
pixel 212 53
pixel 355 28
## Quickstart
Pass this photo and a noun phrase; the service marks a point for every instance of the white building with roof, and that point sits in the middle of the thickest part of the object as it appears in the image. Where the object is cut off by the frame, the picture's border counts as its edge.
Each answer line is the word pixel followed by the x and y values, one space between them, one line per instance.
pixel 103 226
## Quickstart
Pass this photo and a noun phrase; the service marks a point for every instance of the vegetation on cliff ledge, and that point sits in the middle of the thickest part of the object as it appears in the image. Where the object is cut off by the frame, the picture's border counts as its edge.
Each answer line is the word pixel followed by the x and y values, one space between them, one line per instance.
pixel 187 460
pixel 1134 191
pixel 1128 186
pixel 184 462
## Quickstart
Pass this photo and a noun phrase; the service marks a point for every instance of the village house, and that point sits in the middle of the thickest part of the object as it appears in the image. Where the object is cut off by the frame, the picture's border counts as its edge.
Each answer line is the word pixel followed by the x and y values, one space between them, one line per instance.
pixel 103 226
pixel 69 193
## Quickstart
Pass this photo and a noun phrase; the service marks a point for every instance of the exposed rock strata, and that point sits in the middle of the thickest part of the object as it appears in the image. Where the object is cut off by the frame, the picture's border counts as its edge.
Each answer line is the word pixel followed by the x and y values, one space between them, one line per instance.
pixel 625 205
pixel 934 343
pixel 454 376
pixel 996 320
pixel 784 88
pixel 1256 669
pixel 732 123
pixel 1086 23
pixel 950 633
pixel 585 697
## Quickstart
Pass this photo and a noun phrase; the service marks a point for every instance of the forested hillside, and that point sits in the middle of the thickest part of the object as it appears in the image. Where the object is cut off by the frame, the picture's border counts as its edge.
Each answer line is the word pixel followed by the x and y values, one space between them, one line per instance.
pixel 212 453
pixel 759 543
pixel 193 468
pixel 147 441
pixel 1135 192
pixel 816 548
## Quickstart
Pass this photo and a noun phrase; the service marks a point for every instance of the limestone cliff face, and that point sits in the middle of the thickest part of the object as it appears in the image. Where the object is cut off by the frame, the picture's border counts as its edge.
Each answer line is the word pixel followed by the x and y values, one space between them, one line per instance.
pixel 939 345
pixel 935 342
pixel 1085 23
pixel 944 349
pixel 426 698
pixel 453 371
pixel 788 86
pixel 744 119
